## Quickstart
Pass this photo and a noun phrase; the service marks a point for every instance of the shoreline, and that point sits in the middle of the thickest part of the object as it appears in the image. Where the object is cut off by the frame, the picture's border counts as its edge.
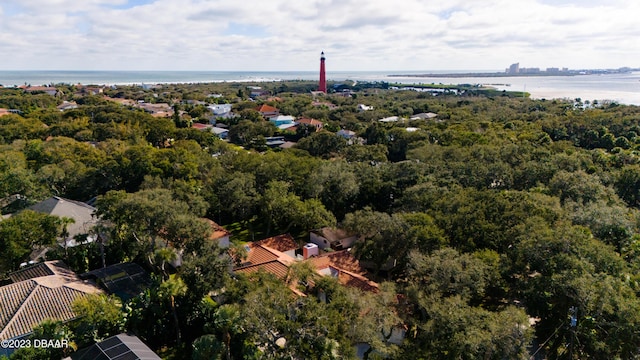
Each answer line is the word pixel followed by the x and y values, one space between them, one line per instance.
pixel 502 74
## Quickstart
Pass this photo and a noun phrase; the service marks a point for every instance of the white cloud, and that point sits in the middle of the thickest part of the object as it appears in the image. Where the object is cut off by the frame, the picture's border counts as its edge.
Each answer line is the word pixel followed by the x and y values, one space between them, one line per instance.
pixel 289 34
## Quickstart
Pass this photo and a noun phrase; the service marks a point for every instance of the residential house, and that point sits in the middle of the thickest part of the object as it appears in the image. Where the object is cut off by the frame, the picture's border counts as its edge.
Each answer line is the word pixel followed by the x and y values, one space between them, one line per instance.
pixel 219 234
pixel 81 213
pixel 284 243
pixel 49 90
pixel 336 239
pixel 118 347
pixel 347 134
pixel 276 254
pixel 317 124
pixel 423 116
pixel 201 126
pixel 255 91
pixel 37 293
pixel 125 280
pixel 67 105
pixel 283 122
pixel 221 132
pixel 89 90
pixel 92 90
pixel 221 110
pixel 343 266
pixel 363 107
pixel 267 111
pixel 275 141
pixel 261 257
pixel 390 119
pixel 156 110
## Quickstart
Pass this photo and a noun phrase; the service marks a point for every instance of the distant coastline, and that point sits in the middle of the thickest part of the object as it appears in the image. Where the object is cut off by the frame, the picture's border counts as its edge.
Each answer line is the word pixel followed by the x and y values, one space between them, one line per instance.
pixel 518 74
pixel 622 86
pixel 482 75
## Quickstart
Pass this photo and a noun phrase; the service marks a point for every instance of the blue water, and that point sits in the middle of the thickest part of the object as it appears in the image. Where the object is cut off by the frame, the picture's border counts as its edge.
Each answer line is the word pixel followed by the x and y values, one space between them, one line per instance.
pixel 623 88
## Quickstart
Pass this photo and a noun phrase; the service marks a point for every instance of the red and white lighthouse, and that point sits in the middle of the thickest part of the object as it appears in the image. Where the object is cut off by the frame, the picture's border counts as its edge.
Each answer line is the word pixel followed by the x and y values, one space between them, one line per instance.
pixel 323 79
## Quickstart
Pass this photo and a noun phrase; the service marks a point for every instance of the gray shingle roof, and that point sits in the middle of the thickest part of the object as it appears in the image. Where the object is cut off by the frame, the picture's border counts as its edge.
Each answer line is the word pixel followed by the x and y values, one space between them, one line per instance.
pixel 80 212
pixel 26 303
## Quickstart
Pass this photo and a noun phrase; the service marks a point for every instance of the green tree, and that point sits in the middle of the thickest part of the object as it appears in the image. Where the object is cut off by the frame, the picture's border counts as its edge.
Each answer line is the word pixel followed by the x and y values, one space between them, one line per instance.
pixel 205 271
pixel 323 144
pixel 48 330
pixel 143 221
pixel 170 289
pixel 24 232
pixel 382 237
pixel 99 317
pixel 335 184
pixel 207 347
pixel 628 185
pixel 239 197
pixel 442 288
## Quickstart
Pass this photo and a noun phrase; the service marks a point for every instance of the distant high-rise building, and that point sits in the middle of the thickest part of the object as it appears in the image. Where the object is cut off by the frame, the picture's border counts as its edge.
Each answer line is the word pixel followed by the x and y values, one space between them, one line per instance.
pixel 514 68
pixel 323 79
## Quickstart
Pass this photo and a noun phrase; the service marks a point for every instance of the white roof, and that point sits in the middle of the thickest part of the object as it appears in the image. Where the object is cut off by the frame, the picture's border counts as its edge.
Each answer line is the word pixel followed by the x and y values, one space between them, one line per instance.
pixel 285 126
pixel 282 118
pixel 390 119
pixel 219 131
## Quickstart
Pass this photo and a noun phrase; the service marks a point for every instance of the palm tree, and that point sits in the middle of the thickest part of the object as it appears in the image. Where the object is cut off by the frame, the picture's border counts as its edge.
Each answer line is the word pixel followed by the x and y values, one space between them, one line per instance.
pixel 171 288
pixel 164 256
pixel 64 222
pixel 227 321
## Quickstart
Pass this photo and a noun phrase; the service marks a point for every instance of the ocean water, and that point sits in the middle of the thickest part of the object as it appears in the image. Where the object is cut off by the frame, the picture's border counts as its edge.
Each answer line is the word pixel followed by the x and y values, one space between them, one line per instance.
pixel 623 88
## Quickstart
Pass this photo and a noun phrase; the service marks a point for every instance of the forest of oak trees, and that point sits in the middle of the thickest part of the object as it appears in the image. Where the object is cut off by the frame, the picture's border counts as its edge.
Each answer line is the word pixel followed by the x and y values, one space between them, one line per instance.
pixel 505 217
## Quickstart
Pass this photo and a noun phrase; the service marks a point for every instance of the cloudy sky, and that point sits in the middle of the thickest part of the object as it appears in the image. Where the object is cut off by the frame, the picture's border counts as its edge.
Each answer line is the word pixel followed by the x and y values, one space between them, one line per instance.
pixel 280 35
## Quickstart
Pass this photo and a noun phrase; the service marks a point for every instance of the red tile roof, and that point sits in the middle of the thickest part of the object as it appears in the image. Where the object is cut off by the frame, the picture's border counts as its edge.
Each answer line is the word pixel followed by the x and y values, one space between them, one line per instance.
pixel 313 122
pixel 201 126
pixel 282 243
pixel 274 267
pixel 259 255
pixel 217 230
pixel 343 260
pixel 348 269
pixel 349 279
pixel 268 255
pixel 264 108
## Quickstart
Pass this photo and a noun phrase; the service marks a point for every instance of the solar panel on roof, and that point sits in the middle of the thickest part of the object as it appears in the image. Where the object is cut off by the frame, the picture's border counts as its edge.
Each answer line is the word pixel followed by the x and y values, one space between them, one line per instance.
pixel 127 356
pixel 109 343
pixel 93 353
pixel 117 350
pixel 119 347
